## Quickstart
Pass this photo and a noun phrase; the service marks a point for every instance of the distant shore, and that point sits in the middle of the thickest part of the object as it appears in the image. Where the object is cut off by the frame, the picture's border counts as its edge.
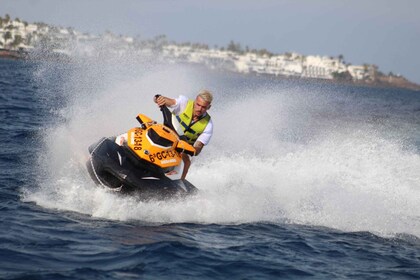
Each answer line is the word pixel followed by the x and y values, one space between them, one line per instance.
pixel 381 82
pixel 39 41
pixel 6 53
pixel 397 84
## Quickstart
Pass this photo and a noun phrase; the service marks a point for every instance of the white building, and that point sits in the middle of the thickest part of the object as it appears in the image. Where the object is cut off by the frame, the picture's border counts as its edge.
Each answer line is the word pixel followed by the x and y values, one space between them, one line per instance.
pixel 358 72
pixel 322 67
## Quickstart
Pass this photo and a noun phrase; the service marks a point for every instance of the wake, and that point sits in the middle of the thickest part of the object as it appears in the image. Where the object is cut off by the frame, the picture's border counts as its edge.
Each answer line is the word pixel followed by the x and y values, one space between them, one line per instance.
pixel 280 152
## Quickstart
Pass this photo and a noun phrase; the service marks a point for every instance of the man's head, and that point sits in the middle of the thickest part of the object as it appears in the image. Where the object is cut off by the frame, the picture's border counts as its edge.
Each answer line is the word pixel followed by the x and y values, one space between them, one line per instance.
pixel 202 103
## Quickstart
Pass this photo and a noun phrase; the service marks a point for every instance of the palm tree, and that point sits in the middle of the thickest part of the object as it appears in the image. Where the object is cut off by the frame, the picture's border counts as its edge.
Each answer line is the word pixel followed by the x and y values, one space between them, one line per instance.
pixel 7 36
pixel 18 40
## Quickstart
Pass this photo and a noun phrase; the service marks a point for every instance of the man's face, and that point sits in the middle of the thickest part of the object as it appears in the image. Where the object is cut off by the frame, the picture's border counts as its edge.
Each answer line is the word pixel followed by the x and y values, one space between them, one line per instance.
pixel 200 106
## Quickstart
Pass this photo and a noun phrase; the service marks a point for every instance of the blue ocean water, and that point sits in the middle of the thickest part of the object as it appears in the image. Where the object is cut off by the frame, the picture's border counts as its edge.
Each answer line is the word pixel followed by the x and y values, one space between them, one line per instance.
pixel 302 179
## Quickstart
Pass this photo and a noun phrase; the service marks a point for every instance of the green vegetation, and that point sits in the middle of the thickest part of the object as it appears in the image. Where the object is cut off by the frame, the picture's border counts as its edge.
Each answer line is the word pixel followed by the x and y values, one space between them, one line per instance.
pixel 7 36
pixel 342 76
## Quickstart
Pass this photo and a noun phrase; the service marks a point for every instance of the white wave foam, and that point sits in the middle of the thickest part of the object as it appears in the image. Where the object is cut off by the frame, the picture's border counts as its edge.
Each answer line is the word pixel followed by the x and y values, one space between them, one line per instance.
pixel 277 155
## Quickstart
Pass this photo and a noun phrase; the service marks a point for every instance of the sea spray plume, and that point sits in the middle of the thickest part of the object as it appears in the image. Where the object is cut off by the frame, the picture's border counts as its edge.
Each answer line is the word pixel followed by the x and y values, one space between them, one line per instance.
pixel 98 98
pixel 337 156
pixel 281 151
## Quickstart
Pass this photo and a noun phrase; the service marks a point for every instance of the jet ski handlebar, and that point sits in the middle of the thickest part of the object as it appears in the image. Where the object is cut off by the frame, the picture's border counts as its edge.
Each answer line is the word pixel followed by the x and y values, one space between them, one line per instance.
pixel 167 115
pixel 155 99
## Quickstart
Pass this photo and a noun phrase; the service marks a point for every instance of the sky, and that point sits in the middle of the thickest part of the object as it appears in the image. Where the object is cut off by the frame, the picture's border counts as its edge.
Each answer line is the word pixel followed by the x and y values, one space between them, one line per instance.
pixel 381 32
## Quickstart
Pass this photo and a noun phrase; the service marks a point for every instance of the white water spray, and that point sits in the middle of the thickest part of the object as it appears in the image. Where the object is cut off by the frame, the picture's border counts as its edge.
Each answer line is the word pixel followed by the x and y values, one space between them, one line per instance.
pixel 277 155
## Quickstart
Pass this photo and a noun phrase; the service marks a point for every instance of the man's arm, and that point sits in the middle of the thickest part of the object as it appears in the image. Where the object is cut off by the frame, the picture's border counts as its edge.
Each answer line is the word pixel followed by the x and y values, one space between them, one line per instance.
pixel 162 100
pixel 198 147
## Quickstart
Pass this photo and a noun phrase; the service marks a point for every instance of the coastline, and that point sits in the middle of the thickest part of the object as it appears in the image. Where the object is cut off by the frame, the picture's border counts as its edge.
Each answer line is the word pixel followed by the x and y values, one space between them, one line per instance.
pixel 381 82
pixel 368 84
pixel 12 54
pixel 43 42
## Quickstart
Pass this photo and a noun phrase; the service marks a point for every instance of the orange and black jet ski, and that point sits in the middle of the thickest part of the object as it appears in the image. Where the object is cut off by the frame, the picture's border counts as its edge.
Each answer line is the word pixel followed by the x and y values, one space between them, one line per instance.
pixel 146 160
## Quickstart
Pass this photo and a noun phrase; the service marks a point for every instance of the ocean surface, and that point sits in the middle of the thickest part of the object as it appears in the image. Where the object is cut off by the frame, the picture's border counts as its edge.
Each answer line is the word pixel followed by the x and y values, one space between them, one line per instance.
pixel 302 179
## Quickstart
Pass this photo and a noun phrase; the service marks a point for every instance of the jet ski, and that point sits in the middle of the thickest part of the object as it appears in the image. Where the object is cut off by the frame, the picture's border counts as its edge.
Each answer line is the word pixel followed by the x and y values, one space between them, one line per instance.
pixel 145 160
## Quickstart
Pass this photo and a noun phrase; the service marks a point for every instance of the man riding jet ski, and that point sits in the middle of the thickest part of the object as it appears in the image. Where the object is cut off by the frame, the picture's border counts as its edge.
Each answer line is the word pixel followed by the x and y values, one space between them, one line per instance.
pixel 146 160
pixel 194 122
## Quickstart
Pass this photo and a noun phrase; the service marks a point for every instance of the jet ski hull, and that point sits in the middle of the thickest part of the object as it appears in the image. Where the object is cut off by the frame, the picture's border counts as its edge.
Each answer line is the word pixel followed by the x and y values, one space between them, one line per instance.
pixel 116 168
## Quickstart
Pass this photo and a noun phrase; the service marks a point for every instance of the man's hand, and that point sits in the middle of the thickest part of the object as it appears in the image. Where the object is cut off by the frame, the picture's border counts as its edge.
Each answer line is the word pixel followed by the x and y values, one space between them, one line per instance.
pixel 164 101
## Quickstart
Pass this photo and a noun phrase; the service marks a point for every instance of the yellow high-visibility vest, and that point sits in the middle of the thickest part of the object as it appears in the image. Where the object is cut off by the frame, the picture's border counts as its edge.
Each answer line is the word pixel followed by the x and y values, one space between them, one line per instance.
pixel 192 130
